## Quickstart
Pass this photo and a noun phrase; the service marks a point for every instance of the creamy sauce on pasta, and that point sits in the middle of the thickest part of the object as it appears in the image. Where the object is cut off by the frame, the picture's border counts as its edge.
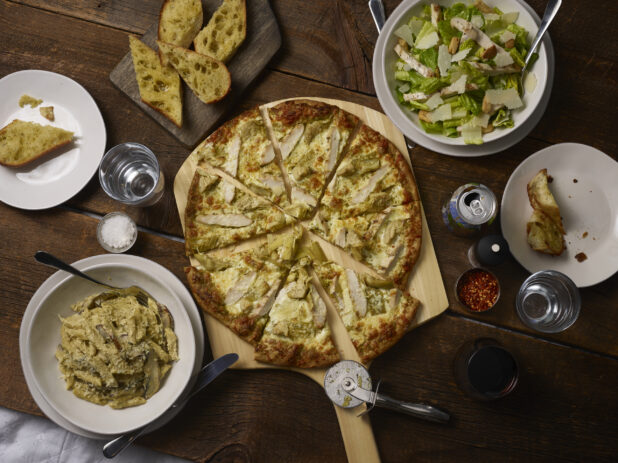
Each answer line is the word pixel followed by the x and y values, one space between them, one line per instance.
pixel 115 351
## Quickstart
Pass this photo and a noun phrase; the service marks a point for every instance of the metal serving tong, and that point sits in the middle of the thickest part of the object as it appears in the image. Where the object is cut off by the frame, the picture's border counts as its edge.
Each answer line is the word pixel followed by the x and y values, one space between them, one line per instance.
pixel 348 385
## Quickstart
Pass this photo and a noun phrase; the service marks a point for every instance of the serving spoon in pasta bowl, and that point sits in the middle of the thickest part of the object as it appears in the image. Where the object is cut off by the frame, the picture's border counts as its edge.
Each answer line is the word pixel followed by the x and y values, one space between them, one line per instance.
pixel 48 259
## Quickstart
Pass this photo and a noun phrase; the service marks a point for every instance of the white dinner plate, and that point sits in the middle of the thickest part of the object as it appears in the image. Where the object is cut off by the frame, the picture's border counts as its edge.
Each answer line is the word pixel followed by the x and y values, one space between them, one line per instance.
pixel 55 178
pixel 585 185
pixel 496 142
pixel 156 271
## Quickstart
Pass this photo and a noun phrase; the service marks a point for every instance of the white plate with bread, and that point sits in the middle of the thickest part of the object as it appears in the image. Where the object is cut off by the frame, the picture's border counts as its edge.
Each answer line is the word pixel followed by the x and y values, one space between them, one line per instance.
pixel 583 183
pixel 40 182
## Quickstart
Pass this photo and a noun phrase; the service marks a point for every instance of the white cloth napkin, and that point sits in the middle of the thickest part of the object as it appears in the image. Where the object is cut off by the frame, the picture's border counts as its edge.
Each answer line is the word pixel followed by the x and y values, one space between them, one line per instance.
pixel 32 439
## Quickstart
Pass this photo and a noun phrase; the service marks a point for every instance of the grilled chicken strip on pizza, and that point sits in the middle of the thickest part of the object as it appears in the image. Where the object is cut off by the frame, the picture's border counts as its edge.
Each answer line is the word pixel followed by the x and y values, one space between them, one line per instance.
pixel 372 176
pixel 239 290
pixel 219 214
pixel 389 241
pixel 297 334
pixel 311 138
pixel 375 313
pixel 242 149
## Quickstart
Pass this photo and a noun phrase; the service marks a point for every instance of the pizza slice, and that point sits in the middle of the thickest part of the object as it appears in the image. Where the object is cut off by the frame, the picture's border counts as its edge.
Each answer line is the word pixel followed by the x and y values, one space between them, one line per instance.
pixel 242 149
pixel 375 313
pixel 219 214
pixel 239 290
pixel 311 138
pixel 389 242
pixel 296 333
pixel 373 176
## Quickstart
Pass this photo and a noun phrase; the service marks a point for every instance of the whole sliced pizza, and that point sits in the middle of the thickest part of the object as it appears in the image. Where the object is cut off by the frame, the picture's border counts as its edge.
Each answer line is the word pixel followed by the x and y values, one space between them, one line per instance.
pixel 281 180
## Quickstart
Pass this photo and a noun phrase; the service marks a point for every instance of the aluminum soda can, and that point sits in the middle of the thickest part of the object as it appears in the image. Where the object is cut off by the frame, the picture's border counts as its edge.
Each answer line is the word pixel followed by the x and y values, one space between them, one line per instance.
pixel 470 209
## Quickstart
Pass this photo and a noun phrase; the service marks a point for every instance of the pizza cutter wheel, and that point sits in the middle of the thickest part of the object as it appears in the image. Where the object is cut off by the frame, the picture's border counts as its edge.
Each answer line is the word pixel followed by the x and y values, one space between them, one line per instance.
pixel 348 385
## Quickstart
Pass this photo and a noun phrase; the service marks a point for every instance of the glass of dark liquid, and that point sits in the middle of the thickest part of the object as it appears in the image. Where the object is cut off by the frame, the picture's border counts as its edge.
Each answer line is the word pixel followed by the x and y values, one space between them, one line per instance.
pixel 485 370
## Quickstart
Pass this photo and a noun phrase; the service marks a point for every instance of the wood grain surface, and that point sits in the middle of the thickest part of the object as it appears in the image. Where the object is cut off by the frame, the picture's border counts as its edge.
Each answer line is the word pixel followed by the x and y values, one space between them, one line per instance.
pixel 262 42
pixel 564 406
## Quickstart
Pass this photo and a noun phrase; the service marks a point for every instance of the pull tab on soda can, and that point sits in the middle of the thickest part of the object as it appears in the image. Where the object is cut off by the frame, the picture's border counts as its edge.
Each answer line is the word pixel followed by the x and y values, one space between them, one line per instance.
pixel 470 209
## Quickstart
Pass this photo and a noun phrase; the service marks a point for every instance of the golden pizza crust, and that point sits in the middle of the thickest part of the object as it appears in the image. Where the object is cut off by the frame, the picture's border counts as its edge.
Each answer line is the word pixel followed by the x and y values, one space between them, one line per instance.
pixel 295 354
pixel 211 301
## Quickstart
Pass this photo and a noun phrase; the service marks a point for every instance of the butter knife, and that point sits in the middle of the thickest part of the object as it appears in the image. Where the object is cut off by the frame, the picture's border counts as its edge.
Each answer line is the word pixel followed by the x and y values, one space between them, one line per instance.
pixel 206 375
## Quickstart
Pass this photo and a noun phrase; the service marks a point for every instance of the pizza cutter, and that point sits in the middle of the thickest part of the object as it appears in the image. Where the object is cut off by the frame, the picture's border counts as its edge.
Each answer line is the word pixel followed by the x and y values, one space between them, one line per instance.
pixel 348 385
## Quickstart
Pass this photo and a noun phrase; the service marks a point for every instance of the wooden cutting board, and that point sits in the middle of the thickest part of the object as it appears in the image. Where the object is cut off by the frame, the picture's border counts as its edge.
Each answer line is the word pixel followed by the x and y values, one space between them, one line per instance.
pixel 262 42
pixel 425 284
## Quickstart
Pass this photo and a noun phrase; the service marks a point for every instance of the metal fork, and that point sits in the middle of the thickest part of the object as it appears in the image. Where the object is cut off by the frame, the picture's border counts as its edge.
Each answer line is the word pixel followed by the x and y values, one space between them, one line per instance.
pixel 376 7
pixel 47 259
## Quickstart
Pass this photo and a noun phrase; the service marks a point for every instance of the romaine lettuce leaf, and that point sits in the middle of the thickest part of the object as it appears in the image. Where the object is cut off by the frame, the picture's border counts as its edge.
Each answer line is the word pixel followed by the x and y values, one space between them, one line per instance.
pixel 447 32
pixel 458 9
pixel 472 101
pixel 503 119
pixel 429 57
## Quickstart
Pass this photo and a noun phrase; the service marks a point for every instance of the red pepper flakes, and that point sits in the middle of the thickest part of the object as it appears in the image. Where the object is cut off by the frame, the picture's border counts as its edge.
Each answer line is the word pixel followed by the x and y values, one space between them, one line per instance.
pixel 478 290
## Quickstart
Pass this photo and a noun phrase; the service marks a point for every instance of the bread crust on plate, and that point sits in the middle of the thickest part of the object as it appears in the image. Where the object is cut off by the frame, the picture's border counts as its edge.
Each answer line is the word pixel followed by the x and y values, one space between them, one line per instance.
pixel 14 147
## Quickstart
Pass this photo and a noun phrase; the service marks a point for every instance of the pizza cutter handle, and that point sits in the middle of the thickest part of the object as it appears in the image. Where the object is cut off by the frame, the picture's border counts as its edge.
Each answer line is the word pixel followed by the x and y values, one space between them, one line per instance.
pixel 425 412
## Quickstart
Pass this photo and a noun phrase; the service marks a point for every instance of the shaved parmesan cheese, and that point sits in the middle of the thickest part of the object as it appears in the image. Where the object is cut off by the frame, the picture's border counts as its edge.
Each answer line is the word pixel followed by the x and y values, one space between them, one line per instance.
pixel 479 121
pixel 268 155
pixel 415 26
pixel 289 141
pixel 442 113
pixel 490 17
pixel 530 82
pixel 477 20
pixel 460 55
pixel 503 59
pixel 406 67
pixel 435 101
pixel 444 60
pixel 510 18
pixel 508 97
pixel 227 220
pixel 404 88
pixel 506 36
pixel 459 86
pixel 472 135
pixel 428 41
pixel 404 32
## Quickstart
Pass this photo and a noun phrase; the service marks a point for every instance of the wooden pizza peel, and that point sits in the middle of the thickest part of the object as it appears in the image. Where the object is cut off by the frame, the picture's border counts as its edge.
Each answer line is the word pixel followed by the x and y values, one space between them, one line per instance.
pixel 425 284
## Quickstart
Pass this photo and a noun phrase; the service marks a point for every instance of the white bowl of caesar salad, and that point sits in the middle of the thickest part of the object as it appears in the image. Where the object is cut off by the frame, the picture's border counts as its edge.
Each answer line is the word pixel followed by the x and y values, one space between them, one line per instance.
pixel 451 74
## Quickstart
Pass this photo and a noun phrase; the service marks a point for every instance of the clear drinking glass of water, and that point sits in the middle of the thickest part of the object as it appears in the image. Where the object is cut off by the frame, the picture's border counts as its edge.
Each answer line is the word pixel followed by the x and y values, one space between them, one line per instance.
pixel 130 173
pixel 548 301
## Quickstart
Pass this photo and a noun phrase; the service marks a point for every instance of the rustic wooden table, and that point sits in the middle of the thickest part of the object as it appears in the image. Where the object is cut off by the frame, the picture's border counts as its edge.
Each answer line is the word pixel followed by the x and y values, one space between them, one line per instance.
pixel 566 403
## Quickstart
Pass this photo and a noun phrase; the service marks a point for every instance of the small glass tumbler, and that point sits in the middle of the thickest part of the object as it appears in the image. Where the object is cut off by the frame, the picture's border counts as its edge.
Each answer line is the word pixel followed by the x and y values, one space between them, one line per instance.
pixel 485 370
pixel 130 173
pixel 548 301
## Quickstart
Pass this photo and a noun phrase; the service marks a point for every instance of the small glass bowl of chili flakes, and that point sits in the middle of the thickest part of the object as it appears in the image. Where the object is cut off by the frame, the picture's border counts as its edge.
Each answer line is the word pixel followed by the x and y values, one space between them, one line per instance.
pixel 477 289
